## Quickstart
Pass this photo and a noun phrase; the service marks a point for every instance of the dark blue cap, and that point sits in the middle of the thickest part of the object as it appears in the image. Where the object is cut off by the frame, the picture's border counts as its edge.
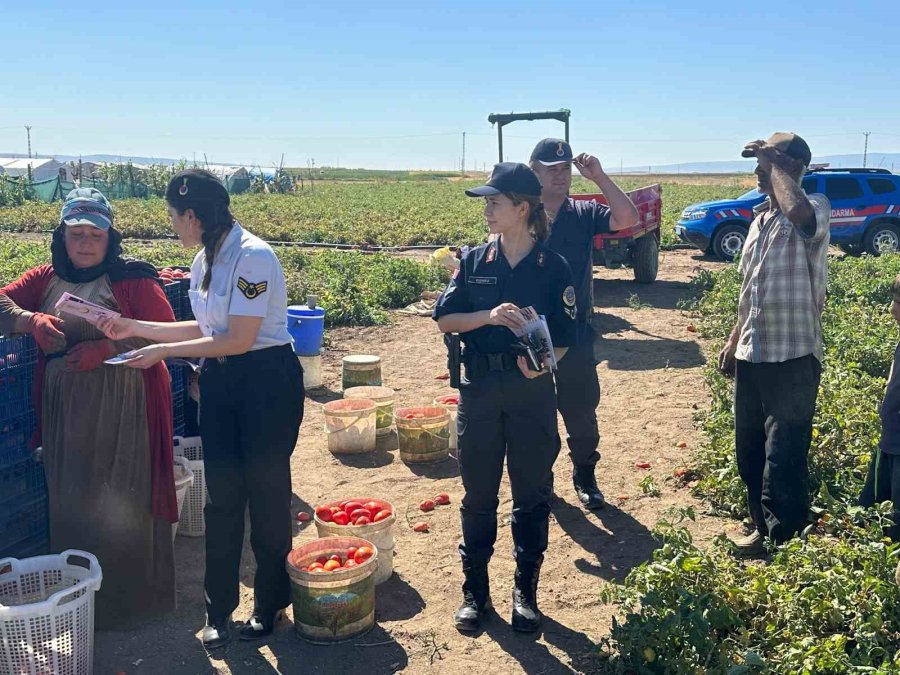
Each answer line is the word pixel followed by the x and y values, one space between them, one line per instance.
pixel 509 177
pixel 552 151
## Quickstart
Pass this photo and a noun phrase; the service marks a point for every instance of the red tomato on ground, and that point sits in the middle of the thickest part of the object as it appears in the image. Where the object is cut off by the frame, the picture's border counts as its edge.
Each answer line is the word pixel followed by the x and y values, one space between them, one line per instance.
pixel 304 517
pixel 442 499
pixel 363 553
pixel 420 527
pixel 642 465
pixel 427 505
pixel 323 513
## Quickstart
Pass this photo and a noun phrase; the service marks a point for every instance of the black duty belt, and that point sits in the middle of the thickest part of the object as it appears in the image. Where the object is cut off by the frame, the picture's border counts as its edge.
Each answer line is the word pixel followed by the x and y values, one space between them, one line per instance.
pixel 483 363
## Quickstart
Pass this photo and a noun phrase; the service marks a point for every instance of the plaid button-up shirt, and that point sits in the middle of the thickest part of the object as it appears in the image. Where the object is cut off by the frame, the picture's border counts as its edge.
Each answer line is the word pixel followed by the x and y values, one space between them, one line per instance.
pixel 783 288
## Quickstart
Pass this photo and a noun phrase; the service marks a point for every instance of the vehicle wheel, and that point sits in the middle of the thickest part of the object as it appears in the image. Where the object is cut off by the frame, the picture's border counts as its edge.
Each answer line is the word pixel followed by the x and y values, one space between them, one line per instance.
pixel 881 237
pixel 645 259
pixel 729 241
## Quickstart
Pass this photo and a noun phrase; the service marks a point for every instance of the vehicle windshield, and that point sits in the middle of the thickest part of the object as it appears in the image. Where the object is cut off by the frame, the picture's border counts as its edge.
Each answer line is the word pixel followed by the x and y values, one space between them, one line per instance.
pixel 753 194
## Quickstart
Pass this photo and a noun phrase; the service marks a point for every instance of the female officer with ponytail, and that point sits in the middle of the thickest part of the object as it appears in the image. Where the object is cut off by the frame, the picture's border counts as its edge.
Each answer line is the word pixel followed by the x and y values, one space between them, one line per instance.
pixel 251 397
pixel 506 409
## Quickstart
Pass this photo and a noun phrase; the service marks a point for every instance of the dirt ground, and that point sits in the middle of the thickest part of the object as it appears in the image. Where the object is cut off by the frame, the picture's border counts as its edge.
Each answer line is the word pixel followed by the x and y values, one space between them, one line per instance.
pixel 652 385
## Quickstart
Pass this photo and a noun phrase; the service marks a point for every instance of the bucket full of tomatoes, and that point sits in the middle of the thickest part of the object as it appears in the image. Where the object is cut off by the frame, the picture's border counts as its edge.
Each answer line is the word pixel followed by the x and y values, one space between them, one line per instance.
pixel 333 588
pixel 366 518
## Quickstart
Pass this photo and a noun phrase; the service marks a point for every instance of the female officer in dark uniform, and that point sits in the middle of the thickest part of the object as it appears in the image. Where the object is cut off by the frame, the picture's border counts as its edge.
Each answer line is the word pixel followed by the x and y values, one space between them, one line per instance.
pixel 505 409
pixel 251 397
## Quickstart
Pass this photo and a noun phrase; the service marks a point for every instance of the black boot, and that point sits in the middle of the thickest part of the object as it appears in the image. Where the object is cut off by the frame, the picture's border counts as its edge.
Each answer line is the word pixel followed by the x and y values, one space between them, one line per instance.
pixel 526 617
pixel 585 483
pixel 476 598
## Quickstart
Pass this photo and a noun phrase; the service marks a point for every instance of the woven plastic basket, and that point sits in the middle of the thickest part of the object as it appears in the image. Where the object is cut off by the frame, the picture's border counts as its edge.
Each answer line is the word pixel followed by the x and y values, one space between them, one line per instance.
pixel 47 614
pixel 191 523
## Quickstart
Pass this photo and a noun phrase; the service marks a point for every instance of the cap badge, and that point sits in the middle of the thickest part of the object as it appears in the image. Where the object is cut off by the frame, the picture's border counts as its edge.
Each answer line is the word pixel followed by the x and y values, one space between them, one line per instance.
pixel 569 296
pixel 183 190
pixel 559 150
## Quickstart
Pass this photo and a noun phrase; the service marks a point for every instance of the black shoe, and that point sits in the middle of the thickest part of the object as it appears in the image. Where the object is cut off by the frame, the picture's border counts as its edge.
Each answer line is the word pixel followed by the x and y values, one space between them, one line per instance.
pixel 476 598
pixel 260 625
pixel 216 633
pixel 585 483
pixel 526 617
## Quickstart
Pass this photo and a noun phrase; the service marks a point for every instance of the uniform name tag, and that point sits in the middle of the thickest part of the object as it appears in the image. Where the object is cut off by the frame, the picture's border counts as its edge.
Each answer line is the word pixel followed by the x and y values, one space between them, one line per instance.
pixel 483 281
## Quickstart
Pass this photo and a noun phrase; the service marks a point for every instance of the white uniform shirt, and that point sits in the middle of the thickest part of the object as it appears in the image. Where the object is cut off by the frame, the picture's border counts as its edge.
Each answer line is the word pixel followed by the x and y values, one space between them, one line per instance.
pixel 247 280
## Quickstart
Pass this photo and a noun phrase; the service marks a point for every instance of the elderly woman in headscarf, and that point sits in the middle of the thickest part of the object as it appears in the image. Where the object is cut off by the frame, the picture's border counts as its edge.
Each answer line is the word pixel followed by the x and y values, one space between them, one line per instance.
pixel 106 430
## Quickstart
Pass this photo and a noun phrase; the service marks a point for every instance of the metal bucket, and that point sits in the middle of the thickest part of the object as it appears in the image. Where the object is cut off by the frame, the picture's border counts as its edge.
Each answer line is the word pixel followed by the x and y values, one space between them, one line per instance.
pixel 334 606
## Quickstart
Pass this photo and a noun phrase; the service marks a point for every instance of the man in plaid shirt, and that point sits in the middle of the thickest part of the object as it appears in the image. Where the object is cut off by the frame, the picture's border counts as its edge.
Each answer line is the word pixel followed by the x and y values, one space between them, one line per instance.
pixel 775 350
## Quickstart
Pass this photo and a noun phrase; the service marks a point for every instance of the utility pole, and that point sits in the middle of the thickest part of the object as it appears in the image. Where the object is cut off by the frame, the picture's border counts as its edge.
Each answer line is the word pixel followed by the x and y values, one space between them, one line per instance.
pixel 463 167
pixel 28 131
pixel 866 149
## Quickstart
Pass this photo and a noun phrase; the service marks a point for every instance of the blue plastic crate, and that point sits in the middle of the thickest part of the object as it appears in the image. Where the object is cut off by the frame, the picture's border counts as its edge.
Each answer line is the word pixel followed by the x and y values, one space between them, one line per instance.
pixel 31 547
pixel 23 524
pixel 22 482
pixel 179 376
pixel 173 295
pixel 14 435
pixel 18 356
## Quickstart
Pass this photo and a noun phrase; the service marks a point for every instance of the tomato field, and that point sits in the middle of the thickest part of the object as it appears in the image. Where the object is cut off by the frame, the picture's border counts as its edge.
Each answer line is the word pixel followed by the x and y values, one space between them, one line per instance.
pixel 828 604
pixel 403 213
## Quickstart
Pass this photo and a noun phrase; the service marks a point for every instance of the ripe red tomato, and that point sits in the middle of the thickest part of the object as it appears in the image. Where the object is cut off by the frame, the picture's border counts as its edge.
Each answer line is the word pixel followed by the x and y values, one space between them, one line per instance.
pixel 335 509
pixel 350 563
pixel 442 499
pixel 341 518
pixel 322 559
pixel 350 507
pixel 381 515
pixel 304 517
pixel 363 553
pixel 332 565
pixel 344 503
pixel 351 552
pixel 363 520
pixel 427 505
pixel 336 557
pixel 420 527
pixel 356 513
pixel 323 513
pixel 373 506
pixel 314 567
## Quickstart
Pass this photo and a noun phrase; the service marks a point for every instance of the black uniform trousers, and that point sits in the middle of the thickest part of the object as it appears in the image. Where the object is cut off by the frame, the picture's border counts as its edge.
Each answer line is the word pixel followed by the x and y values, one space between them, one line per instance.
pixel 251 407
pixel 502 414
pixel 578 395
pixel 774 405
pixel 883 485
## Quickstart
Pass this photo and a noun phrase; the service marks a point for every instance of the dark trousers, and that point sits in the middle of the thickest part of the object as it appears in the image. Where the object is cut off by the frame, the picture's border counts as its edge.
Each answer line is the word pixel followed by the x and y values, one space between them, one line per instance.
pixel 774 405
pixel 251 407
pixel 578 395
pixel 503 414
pixel 883 485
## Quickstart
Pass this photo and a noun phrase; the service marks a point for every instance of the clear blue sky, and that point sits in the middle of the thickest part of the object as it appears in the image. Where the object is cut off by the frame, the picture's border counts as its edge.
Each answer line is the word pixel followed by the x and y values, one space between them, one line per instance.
pixel 394 85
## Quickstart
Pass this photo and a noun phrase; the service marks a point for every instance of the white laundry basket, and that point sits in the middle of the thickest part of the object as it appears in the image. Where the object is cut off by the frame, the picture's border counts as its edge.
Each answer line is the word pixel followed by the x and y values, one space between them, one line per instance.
pixel 184 478
pixel 47 614
pixel 191 522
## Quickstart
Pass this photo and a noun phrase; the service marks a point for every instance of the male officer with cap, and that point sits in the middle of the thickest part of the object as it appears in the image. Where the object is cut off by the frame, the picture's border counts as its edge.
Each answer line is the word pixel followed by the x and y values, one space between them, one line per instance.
pixel 572 230
pixel 775 349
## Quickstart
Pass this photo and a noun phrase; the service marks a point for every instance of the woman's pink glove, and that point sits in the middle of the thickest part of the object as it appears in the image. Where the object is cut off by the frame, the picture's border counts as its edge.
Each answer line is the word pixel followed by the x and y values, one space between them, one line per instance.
pixel 89 354
pixel 45 328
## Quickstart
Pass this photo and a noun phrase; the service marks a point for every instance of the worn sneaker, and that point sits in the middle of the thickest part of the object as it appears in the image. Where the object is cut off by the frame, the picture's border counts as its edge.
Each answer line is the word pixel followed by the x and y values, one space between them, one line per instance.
pixel 751 546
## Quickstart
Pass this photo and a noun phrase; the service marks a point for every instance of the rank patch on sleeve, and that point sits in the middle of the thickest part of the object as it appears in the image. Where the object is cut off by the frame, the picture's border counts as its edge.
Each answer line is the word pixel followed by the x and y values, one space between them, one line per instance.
pixel 569 296
pixel 251 290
